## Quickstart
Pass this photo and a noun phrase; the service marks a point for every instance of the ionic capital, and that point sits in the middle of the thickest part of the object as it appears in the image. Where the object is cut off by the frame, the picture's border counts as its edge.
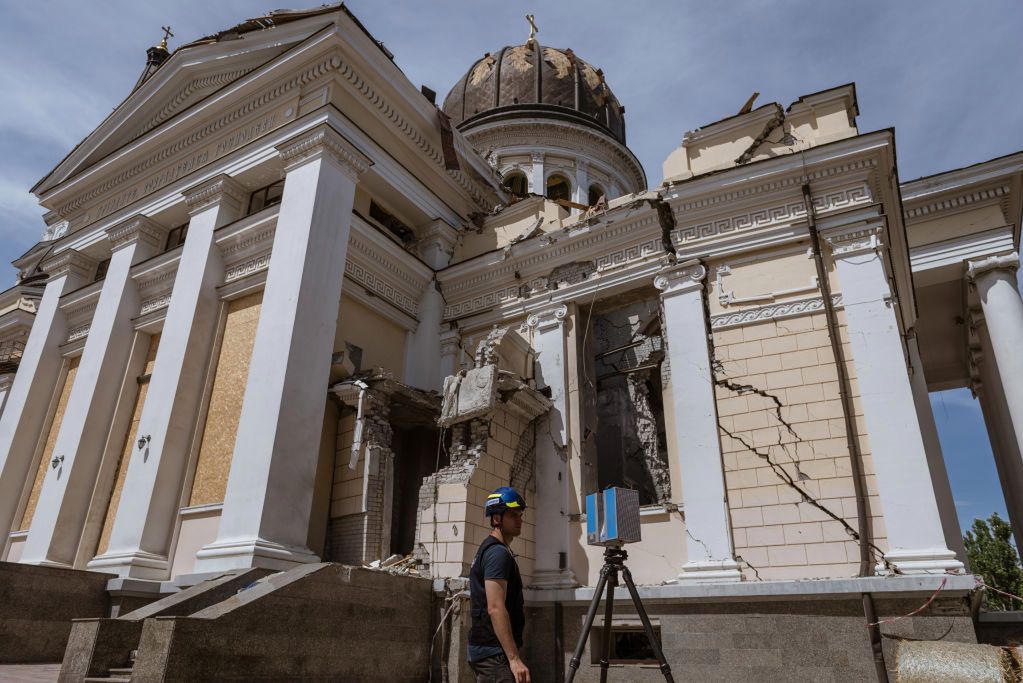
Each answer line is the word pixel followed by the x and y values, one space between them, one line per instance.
pixel 324 142
pixel 548 318
pixel 858 240
pixel 137 229
pixel 680 277
pixel 69 262
pixel 213 191
pixel 437 243
pixel 1003 262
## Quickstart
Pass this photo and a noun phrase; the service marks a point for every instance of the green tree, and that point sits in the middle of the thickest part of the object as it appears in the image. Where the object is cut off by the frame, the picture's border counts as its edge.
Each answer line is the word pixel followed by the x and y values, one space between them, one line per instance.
pixel 993 556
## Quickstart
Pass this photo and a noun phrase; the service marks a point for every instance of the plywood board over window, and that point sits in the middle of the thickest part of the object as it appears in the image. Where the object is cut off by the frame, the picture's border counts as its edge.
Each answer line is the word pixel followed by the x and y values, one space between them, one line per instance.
pixel 129 444
pixel 51 442
pixel 232 374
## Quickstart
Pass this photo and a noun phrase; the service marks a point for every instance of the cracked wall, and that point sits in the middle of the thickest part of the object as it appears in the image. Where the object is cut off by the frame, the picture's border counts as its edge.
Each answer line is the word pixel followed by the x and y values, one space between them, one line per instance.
pixel 786 459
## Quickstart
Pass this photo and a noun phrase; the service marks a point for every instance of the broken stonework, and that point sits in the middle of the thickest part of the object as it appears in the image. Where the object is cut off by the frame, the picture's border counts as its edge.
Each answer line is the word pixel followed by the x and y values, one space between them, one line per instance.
pixel 491 412
pixel 628 352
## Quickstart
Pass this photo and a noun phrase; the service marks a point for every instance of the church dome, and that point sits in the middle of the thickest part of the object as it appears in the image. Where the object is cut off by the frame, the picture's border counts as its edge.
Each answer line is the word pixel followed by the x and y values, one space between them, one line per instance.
pixel 532 80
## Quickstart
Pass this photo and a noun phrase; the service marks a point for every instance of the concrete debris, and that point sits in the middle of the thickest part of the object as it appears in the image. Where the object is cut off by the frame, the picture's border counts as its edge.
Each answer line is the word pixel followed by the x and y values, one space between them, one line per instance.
pixel 396 565
pixel 468 394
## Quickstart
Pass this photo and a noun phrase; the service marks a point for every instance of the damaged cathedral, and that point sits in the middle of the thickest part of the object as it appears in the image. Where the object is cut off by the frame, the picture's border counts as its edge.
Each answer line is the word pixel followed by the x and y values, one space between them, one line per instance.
pixel 292 319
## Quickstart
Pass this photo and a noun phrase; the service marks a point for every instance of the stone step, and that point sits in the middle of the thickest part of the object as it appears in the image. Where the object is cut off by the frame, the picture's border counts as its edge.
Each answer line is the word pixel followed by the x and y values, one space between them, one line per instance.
pixel 109 679
pixel 121 671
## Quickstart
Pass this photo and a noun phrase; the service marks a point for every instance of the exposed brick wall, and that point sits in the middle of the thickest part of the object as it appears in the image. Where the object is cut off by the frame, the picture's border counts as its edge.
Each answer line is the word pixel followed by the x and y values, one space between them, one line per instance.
pixel 774 529
pixel 482 457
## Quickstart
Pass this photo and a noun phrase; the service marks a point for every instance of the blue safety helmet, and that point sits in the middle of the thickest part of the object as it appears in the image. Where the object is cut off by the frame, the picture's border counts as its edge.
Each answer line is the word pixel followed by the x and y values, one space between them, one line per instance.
pixel 504 498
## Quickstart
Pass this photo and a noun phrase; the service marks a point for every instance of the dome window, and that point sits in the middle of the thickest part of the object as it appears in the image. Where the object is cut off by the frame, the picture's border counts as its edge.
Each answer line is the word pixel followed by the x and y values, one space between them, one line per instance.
pixel 594 194
pixel 516 183
pixel 558 188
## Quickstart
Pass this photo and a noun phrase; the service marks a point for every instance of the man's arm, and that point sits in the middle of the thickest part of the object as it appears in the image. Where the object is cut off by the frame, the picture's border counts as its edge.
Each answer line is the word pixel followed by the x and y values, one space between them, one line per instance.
pixel 496 589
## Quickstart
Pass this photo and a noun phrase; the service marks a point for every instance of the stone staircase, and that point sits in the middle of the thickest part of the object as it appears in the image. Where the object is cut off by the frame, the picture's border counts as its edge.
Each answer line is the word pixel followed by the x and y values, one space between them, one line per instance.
pixel 314 621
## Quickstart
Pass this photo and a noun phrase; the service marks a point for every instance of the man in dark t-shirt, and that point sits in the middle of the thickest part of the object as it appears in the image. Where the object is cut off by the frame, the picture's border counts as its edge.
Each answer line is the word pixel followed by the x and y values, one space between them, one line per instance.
pixel 495 592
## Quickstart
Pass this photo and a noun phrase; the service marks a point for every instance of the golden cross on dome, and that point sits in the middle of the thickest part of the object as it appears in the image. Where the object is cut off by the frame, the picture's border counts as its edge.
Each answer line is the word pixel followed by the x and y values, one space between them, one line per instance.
pixel 166 34
pixel 533 30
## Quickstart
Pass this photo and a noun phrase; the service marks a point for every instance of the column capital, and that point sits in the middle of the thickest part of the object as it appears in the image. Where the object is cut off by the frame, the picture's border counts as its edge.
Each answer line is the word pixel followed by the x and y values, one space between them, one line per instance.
pixel 857 240
pixel 680 277
pixel 449 341
pixel 137 229
pixel 437 242
pixel 322 141
pixel 1007 262
pixel 536 157
pixel 547 318
pixel 69 262
pixel 213 191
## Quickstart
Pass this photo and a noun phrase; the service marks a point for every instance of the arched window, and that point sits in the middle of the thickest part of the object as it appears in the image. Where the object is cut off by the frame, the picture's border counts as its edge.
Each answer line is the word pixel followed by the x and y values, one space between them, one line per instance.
pixel 558 188
pixel 594 194
pixel 516 183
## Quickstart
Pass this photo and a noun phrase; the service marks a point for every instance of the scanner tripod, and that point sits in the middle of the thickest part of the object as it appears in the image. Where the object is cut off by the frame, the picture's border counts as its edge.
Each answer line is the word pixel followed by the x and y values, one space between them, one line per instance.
pixel 614 562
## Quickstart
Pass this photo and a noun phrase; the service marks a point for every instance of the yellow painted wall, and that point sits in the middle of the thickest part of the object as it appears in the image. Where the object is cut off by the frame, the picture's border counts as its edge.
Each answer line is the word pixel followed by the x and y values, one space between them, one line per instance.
pixel 51 441
pixel 382 342
pixel 127 448
pixel 214 465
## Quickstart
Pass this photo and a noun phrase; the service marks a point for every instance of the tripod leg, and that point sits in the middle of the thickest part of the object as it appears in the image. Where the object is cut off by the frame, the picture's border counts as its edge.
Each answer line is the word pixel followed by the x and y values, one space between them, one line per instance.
pixel 665 669
pixel 573 664
pixel 609 607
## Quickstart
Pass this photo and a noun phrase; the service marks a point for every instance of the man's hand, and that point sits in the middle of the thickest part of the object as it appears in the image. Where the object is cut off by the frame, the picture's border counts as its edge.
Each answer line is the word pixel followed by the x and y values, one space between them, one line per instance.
pixel 519 670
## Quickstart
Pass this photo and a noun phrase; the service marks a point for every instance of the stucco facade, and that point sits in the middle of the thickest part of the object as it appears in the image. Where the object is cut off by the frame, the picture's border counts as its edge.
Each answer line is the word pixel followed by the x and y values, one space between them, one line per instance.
pixel 273 388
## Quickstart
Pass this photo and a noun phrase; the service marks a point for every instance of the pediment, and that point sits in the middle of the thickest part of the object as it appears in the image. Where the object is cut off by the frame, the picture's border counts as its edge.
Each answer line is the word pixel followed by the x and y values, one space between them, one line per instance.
pixel 189 76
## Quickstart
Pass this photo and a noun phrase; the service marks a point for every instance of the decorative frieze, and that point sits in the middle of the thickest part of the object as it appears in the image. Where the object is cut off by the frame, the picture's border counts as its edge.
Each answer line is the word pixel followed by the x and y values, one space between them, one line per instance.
pixel 261 262
pixel 185 95
pixel 372 281
pixel 763 217
pixel 788 309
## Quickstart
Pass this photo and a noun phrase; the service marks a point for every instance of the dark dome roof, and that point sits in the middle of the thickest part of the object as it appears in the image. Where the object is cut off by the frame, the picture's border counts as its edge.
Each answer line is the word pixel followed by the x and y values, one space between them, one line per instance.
pixel 507 83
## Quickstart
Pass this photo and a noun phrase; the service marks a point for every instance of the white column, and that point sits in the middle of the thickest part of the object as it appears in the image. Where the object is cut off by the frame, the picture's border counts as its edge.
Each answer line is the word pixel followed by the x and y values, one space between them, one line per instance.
pixel 995 281
pixel 708 536
pixel 265 521
pixel 550 340
pixel 536 183
pixel 935 458
pixel 916 539
pixel 582 184
pixel 151 493
pixel 450 350
pixel 1005 448
pixel 64 499
pixel 436 245
pixel 24 416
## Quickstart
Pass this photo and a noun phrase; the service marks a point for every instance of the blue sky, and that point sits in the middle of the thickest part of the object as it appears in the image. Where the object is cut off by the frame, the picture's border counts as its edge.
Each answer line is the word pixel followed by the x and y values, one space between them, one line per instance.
pixel 944 74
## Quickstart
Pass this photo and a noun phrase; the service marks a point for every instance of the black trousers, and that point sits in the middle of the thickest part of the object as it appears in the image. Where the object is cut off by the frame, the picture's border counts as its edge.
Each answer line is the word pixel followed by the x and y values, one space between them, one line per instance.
pixel 493 670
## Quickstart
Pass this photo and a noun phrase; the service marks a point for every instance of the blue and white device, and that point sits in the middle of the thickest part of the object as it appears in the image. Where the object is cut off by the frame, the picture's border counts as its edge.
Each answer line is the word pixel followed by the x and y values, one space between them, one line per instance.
pixel 612 517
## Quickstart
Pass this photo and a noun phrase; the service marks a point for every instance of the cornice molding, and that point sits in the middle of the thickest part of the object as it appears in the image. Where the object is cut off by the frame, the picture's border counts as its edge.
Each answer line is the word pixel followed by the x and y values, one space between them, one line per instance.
pixel 69 262
pixel 1001 262
pixel 958 201
pixel 213 191
pixel 323 141
pixel 168 152
pixel 193 86
pixel 137 229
